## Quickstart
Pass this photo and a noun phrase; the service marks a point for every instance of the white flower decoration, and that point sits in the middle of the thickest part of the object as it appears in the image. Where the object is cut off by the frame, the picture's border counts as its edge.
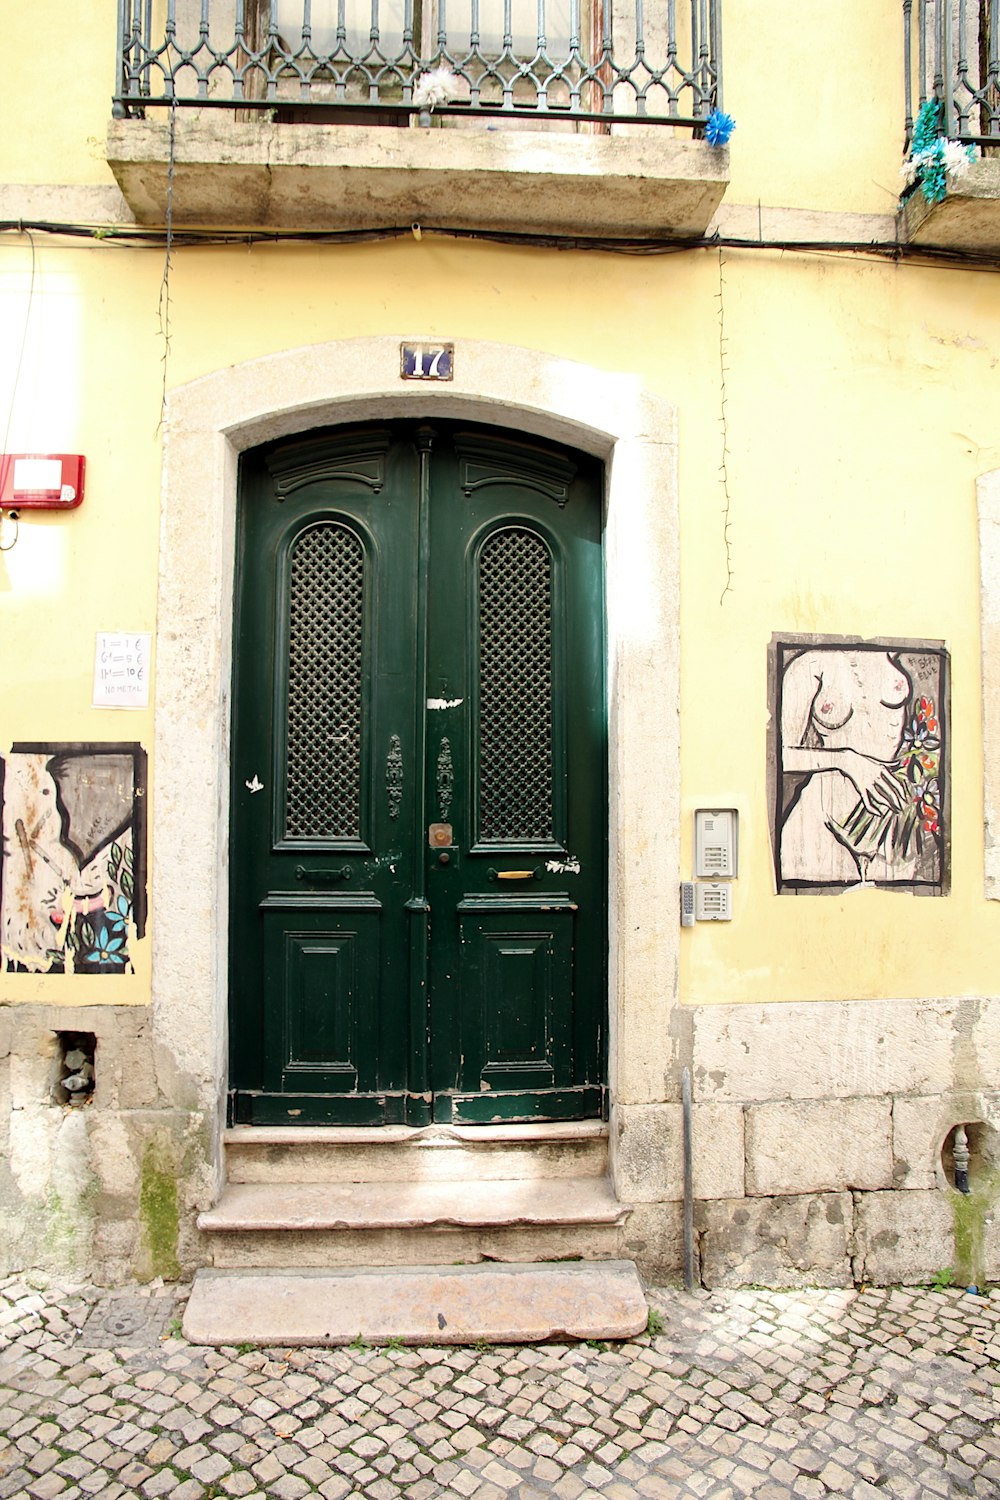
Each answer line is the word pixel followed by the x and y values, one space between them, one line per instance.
pixel 957 158
pixel 954 157
pixel 433 88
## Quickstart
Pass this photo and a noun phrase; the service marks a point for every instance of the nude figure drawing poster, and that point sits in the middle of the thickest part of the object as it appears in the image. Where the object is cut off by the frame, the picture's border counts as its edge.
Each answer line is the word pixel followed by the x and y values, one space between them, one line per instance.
pixel 858 763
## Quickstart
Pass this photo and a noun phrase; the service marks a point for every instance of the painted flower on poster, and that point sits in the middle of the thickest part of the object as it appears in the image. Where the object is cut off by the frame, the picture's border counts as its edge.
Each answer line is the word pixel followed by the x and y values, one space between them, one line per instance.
pixel 903 829
pixel 109 947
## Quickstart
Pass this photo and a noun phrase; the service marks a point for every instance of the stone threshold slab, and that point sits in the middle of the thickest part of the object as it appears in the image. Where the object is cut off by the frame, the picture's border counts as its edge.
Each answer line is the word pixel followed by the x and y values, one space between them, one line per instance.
pixel 298 1206
pixel 501 1304
pixel 381 1135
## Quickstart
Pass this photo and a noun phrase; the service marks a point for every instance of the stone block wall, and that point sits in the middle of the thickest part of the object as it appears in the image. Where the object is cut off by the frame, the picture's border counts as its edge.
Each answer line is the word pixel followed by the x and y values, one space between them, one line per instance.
pixel 820 1134
pixel 108 1188
pixel 820 1143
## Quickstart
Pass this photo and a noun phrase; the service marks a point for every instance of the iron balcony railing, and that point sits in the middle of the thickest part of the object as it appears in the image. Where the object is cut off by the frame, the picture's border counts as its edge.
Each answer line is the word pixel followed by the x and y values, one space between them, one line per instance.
pixel 952 54
pixel 657 61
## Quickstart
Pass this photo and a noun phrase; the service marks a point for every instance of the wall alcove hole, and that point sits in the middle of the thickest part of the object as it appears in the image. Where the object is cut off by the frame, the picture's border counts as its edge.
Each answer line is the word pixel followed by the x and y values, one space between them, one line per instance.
pixel 973 1148
pixel 74 1073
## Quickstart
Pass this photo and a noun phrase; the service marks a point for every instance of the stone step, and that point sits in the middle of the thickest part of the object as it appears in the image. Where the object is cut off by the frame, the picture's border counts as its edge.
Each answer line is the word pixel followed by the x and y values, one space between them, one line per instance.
pixel 418 1305
pixel 446 1153
pixel 304 1206
pixel 412 1223
pixel 324 1249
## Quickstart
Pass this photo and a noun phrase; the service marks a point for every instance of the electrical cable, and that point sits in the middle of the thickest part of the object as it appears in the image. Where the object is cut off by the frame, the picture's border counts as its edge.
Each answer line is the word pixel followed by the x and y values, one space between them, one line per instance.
pixel 5 459
pixel 899 251
pixel 727 507
pixel 163 304
pixel 14 518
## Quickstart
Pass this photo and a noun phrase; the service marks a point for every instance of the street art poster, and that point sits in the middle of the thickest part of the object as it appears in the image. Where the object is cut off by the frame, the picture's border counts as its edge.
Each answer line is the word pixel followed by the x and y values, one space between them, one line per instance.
pixel 858 764
pixel 73 869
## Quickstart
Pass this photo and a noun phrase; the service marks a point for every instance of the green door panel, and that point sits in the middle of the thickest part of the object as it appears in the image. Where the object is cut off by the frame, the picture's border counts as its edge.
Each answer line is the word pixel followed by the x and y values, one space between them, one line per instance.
pixel 321 966
pixel 418 781
pixel 516 969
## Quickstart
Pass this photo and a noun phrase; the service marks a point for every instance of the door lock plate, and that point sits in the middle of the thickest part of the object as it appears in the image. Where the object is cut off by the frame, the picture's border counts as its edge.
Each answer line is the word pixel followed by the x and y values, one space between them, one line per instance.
pixel 439 835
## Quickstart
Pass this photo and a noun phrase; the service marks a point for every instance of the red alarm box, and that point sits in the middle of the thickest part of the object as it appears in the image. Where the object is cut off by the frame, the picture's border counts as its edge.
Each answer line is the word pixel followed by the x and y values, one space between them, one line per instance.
pixel 41 481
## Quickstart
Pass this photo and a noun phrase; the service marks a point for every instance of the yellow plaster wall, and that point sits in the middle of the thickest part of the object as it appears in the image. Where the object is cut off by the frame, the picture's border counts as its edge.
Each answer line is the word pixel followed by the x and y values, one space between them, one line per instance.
pixel 858 403
pixel 58 75
pixel 818 99
pixel 860 408
pixel 76 377
pixel 858 415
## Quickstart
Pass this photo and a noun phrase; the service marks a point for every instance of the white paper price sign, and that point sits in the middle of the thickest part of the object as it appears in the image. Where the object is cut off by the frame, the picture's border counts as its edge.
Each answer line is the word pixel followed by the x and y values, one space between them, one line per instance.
pixel 121 670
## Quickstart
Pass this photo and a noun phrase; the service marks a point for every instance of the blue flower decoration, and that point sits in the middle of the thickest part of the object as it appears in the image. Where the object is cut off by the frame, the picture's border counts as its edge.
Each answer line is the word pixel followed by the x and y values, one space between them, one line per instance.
pixel 117 918
pixel 106 948
pixel 933 155
pixel 719 127
pixel 929 126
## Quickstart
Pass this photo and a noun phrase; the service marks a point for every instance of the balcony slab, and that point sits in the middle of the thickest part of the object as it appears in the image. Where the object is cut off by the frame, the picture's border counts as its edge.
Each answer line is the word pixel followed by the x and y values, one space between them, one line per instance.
pixel 967 219
pixel 645 181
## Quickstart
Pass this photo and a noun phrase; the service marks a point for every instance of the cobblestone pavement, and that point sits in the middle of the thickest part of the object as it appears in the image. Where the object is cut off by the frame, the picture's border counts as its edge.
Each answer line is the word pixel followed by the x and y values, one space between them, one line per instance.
pixel 871 1393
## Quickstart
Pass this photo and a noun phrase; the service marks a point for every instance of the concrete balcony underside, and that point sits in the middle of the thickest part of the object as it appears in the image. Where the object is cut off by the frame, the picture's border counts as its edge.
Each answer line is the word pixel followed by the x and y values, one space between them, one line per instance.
pixel 967 219
pixel 645 183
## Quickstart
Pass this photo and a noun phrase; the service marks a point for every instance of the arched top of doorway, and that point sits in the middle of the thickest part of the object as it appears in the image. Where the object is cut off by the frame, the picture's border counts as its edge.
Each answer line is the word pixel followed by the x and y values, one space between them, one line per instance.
pixel 357 380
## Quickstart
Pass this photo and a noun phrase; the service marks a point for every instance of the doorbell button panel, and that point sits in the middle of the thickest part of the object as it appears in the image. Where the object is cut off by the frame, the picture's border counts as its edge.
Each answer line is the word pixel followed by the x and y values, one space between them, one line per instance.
pixel 713 901
pixel 715 843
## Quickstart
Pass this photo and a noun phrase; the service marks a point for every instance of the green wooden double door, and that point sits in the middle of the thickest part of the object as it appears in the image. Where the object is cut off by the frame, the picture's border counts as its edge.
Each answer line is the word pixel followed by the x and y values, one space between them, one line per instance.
pixel 418 840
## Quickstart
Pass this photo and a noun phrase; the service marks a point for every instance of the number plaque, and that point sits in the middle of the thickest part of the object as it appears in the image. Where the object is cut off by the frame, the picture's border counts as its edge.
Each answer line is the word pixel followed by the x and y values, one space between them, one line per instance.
pixel 427 361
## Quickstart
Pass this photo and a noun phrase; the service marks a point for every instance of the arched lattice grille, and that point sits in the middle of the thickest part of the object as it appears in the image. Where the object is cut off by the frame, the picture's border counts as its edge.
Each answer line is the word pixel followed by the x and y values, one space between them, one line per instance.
pixel 515 687
pixel 325 628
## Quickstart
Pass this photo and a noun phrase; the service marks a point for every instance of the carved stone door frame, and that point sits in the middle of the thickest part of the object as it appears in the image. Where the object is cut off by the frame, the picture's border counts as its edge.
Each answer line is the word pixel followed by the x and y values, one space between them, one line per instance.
pixel 208 424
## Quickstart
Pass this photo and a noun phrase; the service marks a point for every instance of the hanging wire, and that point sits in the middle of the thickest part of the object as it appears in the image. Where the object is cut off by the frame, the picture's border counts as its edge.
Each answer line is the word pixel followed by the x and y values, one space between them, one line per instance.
pixel 163 306
pixel 11 516
pixel 872 250
pixel 5 458
pixel 724 424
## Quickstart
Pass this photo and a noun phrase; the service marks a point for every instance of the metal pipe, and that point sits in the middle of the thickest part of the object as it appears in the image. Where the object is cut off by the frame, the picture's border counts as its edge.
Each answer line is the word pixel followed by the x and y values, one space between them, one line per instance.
pixel 908 65
pixel 716 54
pixel 688 1181
pixel 950 117
pixel 960 1151
pixel 118 109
